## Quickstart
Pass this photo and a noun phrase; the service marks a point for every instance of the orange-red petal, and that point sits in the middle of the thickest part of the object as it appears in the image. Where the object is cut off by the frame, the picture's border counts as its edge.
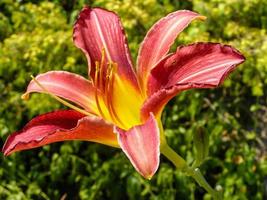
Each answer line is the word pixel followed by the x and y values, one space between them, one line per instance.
pixel 141 144
pixel 97 29
pixel 200 65
pixel 60 126
pixel 159 39
pixel 67 85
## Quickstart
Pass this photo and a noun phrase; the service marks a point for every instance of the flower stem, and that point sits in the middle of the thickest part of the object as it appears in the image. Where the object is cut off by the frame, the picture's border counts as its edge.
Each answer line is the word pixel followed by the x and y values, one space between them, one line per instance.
pixel 195 173
pixel 176 159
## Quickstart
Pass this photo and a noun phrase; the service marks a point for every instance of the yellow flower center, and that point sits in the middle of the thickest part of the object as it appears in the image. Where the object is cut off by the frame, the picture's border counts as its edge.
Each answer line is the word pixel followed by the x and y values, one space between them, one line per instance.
pixel 117 100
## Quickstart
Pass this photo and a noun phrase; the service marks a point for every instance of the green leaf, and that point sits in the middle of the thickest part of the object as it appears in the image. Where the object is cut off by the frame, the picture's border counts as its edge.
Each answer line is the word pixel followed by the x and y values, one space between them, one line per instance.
pixel 201 144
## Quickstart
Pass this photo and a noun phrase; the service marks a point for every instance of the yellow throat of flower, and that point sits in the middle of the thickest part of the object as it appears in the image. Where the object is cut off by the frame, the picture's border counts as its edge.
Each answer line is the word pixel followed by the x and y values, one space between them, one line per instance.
pixel 116 98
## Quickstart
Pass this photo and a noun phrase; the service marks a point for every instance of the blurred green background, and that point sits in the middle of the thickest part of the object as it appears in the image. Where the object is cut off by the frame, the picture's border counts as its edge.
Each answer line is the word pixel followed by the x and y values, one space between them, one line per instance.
pixel 35 37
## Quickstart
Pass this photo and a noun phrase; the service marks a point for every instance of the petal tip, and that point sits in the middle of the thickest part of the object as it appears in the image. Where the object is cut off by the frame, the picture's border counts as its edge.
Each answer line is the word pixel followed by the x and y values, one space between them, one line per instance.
pixel 25 96
pixel 149 177
pixel 141 145
pixel 6 153
pixel 5 149
pixel 202 17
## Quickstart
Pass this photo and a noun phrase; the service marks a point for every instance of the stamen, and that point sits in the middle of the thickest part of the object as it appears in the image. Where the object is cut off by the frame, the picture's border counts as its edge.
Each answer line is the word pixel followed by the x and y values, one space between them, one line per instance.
pixel 107 83
pixel 110 84
pixel 105 86
pixel 96 89
pixel 102 63
pixel 59 99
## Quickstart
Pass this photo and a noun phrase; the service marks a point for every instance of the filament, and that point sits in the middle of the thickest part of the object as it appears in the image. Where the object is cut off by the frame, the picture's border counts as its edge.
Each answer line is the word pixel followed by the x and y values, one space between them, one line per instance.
pixel 107 83
pixel 59 99
pixel 96 89
pixel 109 94
pixel 101 67
pixel 104 83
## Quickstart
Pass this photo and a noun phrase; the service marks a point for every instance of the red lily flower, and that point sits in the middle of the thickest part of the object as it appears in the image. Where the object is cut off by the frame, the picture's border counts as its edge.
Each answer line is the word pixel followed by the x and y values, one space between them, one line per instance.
pixel 119 106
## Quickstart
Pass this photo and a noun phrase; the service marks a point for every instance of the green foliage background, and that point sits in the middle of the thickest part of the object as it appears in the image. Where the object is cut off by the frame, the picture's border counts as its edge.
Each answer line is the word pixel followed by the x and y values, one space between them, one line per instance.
pixel 35 37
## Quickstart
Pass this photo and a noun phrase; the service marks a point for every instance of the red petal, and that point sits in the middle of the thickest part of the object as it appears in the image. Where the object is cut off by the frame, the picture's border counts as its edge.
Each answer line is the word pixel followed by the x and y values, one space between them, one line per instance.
pixel 67 85
pixel 160 38
pixel 96 29
pixel 201 65
pixel 141 145
pixel 60 126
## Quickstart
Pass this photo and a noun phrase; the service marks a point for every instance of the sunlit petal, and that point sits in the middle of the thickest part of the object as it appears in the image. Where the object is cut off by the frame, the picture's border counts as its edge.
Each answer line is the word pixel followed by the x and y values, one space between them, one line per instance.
pixel 160 38
pixel 141 145
pixel 201 65
pixel 97 29
pixel 66 85
pixel 127 102
pixel 60 126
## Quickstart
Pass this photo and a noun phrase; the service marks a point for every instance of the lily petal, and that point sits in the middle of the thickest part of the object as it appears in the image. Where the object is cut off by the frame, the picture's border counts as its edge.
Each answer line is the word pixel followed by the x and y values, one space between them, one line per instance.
pixel 66 85
pixel 60 126
pixel 160 38
pixel 141 144
pixel 97 29
pixel 200 65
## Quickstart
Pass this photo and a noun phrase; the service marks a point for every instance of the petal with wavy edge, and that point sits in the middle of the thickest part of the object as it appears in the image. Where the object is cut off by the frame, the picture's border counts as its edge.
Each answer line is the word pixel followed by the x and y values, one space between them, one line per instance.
pixel 66 85
pixel 141 144
pixel 96 29
pixel 160 38
pixel 200 65
pixel 60 126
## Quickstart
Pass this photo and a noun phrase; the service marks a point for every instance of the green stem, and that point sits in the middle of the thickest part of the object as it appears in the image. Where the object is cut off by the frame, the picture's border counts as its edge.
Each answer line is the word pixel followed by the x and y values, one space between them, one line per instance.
pixel 199 178
pixel 177 160
pixel 195 173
